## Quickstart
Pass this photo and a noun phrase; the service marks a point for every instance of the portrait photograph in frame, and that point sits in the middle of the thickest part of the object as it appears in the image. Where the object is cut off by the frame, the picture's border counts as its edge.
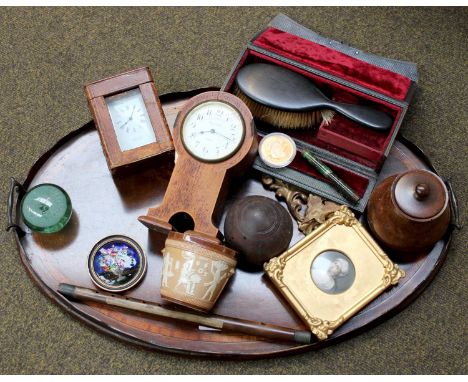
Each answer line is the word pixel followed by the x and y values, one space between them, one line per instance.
pixel 332 273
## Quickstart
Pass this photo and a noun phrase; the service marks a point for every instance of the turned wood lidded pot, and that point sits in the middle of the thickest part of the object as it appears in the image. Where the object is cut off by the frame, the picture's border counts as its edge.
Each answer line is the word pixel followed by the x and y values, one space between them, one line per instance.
pixel 409 212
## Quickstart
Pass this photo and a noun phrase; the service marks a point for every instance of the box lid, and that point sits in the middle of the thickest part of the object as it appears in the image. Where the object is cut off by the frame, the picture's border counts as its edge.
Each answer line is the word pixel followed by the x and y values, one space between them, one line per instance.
pixel 404 68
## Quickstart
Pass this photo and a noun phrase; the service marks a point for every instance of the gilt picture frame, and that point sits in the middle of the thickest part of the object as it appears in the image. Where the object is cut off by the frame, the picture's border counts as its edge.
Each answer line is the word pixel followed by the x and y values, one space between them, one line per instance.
pixel 332 273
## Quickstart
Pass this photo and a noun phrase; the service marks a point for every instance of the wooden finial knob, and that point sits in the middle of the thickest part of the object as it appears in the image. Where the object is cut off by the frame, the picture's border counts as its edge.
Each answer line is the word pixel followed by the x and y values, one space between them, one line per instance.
pixel 422 191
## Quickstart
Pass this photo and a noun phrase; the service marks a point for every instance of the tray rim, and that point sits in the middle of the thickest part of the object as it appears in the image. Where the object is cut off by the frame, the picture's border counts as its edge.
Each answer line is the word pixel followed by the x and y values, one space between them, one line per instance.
pixel 69 308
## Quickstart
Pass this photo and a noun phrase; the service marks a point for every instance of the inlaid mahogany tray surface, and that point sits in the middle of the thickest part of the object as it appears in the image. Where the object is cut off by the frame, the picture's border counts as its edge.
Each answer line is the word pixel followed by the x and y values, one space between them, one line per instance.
pixel 103 206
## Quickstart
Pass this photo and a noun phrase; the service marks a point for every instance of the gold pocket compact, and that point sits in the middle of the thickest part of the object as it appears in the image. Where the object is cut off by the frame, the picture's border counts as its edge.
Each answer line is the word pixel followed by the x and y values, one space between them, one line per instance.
pixel 277 150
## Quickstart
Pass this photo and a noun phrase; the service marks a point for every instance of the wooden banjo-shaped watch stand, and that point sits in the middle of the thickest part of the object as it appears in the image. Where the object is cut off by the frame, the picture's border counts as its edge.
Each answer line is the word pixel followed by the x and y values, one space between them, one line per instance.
pixel 197 187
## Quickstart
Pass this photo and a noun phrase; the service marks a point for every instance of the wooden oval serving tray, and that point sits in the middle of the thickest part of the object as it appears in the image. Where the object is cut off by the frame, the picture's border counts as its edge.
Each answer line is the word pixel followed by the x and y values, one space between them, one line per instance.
pixel 103 206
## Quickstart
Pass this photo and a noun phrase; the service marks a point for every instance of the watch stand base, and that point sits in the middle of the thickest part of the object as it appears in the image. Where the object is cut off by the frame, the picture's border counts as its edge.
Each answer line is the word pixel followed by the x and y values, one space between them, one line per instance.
pixel 155 224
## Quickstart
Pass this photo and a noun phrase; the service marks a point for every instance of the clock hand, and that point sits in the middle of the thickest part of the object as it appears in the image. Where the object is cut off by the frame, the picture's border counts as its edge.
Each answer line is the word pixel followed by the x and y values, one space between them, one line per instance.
pixel 131 115
pixel 121 126
pixel 200 132
pixel 213 131
pixel 129 119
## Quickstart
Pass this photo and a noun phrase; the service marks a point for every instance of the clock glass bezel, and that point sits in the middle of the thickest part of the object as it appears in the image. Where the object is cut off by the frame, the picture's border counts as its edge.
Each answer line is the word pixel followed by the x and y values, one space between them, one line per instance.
pixel 124 96
pixel 232 152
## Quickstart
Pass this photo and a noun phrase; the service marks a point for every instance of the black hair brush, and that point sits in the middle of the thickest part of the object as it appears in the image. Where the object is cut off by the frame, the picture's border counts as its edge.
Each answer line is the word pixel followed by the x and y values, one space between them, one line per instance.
pixel 286 99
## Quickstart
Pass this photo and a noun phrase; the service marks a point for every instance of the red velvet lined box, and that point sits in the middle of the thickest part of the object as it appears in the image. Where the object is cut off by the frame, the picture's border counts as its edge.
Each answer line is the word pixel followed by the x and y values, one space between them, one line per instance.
pixel 345 74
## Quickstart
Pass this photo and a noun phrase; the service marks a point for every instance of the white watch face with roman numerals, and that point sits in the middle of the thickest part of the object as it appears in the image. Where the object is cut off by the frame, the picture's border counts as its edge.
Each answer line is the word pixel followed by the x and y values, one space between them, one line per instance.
pixel 213 131
pixel 131 122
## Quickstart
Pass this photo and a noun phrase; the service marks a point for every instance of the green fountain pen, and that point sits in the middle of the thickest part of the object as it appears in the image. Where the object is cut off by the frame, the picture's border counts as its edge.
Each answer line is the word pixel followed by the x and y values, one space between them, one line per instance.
pixel 327 172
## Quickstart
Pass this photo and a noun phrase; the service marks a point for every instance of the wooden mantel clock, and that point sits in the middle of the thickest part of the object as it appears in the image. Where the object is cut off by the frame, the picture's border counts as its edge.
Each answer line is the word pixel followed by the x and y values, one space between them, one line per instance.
pixel 214 137
pixel 129 117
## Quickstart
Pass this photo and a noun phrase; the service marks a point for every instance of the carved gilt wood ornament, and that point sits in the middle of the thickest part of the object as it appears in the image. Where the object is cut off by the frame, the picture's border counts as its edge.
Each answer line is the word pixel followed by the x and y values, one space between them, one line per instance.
pixel 309 210
pixel 333 273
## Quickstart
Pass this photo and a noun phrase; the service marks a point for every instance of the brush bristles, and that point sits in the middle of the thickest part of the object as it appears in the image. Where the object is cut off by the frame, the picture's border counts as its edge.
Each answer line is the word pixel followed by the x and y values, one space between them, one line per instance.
pixel 285 119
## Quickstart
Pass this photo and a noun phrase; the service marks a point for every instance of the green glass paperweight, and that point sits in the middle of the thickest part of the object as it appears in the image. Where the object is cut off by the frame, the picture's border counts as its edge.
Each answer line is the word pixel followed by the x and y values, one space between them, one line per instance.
pixel 46 208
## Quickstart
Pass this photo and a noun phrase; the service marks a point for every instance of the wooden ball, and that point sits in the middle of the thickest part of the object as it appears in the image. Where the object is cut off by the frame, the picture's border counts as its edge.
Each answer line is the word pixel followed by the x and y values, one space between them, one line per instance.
pixel 258 228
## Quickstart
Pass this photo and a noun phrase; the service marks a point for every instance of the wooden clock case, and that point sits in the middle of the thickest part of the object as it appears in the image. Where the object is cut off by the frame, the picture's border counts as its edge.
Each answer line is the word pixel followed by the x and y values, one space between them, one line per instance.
pixel 196 189
pixel 138 78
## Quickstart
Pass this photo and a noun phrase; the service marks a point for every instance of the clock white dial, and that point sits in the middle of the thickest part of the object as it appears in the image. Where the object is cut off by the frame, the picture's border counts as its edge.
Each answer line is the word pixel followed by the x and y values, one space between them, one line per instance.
pixel 213 131
pixel 130 119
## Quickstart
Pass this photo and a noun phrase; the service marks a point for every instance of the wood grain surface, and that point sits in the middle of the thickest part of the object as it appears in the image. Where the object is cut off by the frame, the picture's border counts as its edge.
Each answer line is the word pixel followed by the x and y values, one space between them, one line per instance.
pixel 197 188
pixel 103 206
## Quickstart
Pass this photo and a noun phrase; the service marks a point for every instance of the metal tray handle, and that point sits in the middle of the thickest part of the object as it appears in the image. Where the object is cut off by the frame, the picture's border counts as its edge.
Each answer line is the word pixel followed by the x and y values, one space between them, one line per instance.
pixel 455 219
pixel 12 224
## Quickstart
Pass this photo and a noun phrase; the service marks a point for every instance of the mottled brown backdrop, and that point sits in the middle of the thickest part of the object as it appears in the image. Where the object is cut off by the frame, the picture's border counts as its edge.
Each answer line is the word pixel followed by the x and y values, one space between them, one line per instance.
pixel 47 54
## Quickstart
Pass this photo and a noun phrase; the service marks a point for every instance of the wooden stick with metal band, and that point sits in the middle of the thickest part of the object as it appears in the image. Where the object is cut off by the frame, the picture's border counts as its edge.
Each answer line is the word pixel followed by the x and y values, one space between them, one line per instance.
pixel 217 322
pixel 327 172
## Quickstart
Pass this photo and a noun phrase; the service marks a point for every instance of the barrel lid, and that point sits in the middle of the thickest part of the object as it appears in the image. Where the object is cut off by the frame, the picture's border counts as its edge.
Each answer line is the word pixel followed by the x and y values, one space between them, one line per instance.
pixel 420 194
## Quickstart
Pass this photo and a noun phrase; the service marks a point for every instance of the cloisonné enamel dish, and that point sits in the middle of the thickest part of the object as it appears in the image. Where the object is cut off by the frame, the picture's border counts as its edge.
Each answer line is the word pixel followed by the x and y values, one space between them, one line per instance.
pixel 116 263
